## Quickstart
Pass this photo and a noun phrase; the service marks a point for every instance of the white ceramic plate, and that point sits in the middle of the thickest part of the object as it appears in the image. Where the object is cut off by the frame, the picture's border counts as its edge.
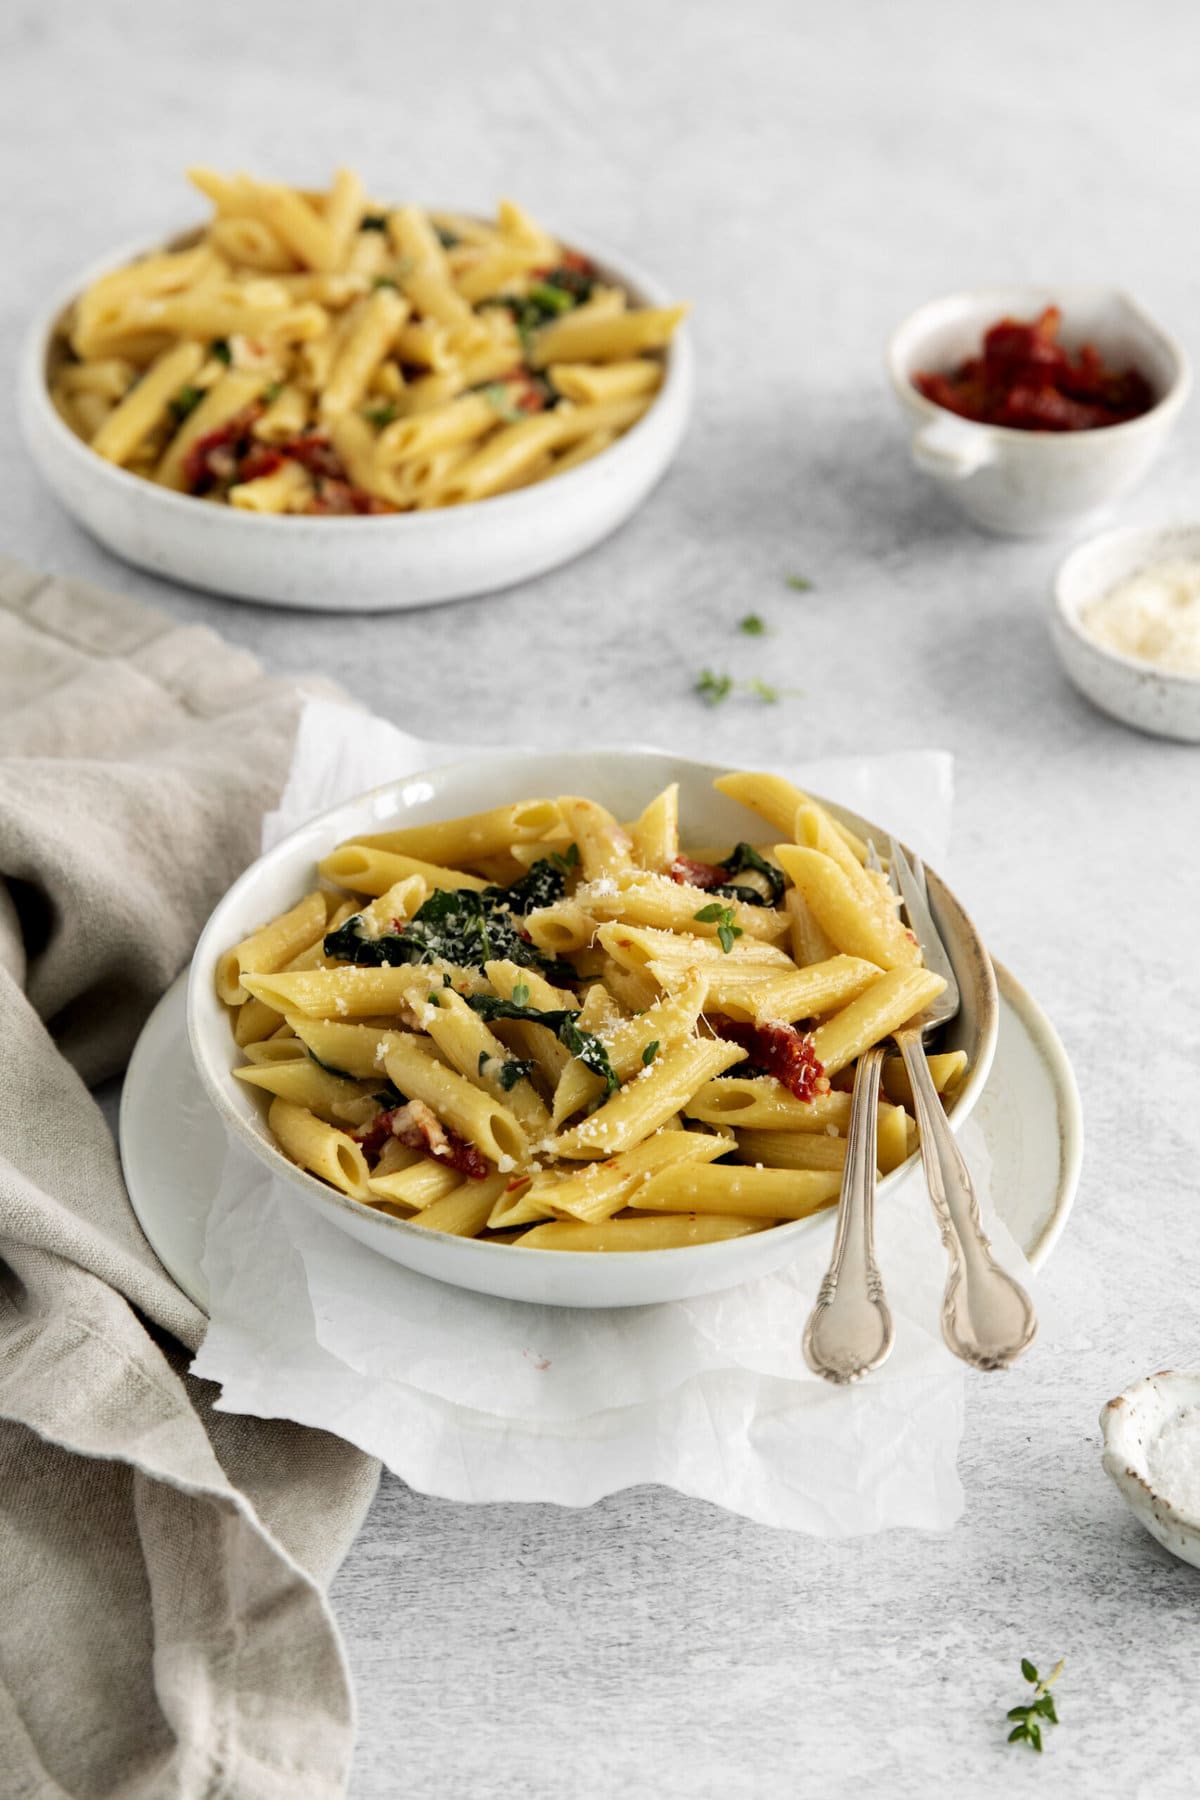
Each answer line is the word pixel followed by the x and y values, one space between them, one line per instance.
pixel 623 781
pixel 173 1143
pixel 370 564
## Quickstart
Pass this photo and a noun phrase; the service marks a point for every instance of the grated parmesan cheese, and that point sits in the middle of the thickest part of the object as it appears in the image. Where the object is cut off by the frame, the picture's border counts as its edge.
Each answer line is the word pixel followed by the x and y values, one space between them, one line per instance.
pixel 1153 615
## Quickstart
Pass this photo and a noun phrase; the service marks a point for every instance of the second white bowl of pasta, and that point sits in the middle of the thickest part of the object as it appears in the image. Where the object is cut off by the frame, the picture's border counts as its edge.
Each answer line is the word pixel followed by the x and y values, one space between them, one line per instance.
pixel 320 402
pixel 575 1029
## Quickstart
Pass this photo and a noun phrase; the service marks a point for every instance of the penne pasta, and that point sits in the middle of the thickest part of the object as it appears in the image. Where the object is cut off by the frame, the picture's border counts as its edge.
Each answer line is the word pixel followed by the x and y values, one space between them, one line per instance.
pixel 428 331
pixel 741 1192
pixel 540 1026
pixel 668 1233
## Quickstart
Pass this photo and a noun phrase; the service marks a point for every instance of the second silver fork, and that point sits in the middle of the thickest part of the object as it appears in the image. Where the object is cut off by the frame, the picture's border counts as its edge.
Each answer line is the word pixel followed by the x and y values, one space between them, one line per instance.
pixel 987 1317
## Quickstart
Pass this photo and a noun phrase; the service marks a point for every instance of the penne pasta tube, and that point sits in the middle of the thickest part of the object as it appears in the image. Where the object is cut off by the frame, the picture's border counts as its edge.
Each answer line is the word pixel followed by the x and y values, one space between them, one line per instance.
pixel 354 442
pixel 632 1045
pixel 426 279
pixel 808 942
pixel 422 1182
pixel 147 405
pixel 654 837
pixel 236 390
pixel 741 1192
pixel 476 1052
pixel 366 869
pixel 493 267
pixel 666 1233
pixel 254 1020
pixel 640 1107
pixel 251 243
pixel 581 452
pixel 286 489
pixel 605 847
pixel 479 834
pixel 295 223
pixel 644 898
pixel 819 988
pixel 354 992
pixel 270 947
pixel 792 1150
pixel 276 1049
pixel 343 209
pixel 424 342
pixel 562 928
pixel 320 1148
pixel 465 1211
pixel 355 1051
pixel 597 1190
pixel 389 909
pixel 285 417
pixel 636 989
pixel 517 226
pixel 945 1071
pixel 762 1102
pixel 776 799
pixel 887 1004
pixel 816 1149
pixel 517 1206
pixel 814 829
pixel 304 1083
pixel 860 923
pixel 362 351
pixel 589 382
pixel 492 1128
pixel 574 338
pixel 504 459
pixel 637 946
pixel 462 840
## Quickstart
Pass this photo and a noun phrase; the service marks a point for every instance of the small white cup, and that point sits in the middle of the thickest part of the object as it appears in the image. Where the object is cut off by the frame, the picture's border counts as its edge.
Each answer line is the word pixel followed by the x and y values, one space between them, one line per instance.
pixel 1035 483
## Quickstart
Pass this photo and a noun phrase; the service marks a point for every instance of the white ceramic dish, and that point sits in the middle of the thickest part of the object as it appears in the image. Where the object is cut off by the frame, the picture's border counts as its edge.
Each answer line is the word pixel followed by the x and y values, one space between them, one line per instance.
pixel 1035 483
pixel 623 781
pixel 1136 692
pixel 1143 1428
pixel 173 1143
pixel 370 564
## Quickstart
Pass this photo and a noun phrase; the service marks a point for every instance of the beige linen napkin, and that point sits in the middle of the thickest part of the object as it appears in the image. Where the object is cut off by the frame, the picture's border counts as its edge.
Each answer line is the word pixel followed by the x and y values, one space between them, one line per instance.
pixel 163 1622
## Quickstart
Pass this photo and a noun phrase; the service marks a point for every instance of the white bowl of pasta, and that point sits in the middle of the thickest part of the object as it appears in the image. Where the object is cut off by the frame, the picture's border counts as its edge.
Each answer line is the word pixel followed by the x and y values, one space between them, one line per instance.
pixel 391 417
pixel 490 1083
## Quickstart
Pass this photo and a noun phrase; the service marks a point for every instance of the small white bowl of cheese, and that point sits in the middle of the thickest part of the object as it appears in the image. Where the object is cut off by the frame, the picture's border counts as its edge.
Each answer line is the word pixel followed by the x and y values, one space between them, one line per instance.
pixel 1126 625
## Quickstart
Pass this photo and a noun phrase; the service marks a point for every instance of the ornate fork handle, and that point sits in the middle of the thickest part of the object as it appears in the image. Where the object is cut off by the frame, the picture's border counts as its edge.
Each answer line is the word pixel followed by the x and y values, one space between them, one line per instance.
pixel 987 1318
pixel 849 1330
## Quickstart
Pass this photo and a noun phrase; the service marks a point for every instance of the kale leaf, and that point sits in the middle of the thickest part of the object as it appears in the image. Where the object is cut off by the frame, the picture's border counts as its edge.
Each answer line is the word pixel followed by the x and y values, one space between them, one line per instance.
pixel 584 1045
pixel 465 926
pixel 741 858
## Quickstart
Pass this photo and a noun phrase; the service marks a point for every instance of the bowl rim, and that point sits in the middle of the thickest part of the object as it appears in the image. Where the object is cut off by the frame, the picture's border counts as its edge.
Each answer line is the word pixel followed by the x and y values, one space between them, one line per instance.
pixel 1118 1420
pixel 678 361
pixel 1067 611
pixel 1165 406
pixel 213 941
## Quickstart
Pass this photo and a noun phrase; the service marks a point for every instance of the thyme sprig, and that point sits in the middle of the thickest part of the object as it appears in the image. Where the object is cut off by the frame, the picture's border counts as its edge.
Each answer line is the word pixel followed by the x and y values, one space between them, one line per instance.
pixel 1040 1710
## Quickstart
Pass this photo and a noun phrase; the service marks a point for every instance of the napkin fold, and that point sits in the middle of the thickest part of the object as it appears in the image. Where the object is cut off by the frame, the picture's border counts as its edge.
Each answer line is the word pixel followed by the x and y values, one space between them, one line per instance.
pixel 163 1566
pixel 475 1398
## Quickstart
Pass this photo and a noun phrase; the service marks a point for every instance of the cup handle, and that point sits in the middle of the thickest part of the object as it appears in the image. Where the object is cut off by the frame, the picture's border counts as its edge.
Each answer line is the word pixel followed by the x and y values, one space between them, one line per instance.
pixel 951 450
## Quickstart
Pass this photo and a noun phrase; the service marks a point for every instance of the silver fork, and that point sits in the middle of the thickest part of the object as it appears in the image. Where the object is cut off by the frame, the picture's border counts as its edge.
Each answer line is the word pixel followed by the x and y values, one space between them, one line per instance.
pixel 849 1330
pixel 987 1317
